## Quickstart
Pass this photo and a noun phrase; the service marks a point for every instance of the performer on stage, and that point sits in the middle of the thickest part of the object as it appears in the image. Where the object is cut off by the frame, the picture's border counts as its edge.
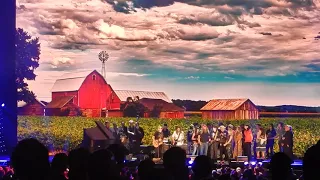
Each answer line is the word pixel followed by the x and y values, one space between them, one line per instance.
pixel 195 141
pixel 214 148
pixel 140 133
pixel 132 136
pixel 230 142
pixel 237 150
pixel 123 130
pixel 287 141
pixel 204 139
pixel 157 141
pixel 178 137
pixel 223 143
pixel 271 135
pixel 280 132
pixel 189 140
pixel 248 137
pixel 166 134
pixel 261 143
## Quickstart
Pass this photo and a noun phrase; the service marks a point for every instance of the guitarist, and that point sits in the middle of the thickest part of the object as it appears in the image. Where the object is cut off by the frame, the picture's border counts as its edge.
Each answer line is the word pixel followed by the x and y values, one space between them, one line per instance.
pixel 157 141
pixel 178 137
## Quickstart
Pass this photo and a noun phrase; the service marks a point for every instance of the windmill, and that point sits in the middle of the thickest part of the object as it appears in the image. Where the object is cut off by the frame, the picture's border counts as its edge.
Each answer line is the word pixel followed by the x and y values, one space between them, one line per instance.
pixel 103 57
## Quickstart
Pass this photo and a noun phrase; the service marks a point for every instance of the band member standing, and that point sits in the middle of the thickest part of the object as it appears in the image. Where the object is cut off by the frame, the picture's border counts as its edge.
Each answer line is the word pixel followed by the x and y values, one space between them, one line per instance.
pixel 214 148
pixel 261 143
pixel 271 135
pixel 280 132
pixel 287 142
pixel 195 141
pixel 189 139
pixel 204 139
pixel 123 130
pixel 248 137
pixel 157 141
pixel 230 142
pixel 139 133
pixel 223 143
pixel 132 136
pixel 237 150
pixel 178 137
pixel 166 133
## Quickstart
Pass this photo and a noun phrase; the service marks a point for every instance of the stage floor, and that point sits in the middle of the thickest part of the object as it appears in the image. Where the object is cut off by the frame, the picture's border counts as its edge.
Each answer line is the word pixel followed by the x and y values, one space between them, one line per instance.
pixel 4 160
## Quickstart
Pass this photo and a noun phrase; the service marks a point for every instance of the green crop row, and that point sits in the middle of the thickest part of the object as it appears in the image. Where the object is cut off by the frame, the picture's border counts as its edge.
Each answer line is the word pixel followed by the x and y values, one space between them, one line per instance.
pixel 65 133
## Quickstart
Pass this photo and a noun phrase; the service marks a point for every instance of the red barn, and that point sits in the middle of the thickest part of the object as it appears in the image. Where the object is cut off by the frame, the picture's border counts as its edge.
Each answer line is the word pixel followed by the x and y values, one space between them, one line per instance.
pixel 35 108
pixel 230 109
pixel 90 92
pixel 167 110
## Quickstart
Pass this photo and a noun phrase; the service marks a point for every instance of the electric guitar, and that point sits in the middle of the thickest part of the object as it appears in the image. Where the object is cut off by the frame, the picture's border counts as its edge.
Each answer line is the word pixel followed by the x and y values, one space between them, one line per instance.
pixel 157 143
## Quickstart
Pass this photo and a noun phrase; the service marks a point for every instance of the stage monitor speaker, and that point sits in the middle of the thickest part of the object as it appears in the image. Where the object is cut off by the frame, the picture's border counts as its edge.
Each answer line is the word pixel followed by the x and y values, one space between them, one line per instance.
pixel 242 159
pixel 146 149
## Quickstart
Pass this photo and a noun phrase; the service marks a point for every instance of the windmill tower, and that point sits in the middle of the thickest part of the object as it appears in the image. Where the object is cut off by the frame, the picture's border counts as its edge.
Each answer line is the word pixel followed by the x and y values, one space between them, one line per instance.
pixel 103 57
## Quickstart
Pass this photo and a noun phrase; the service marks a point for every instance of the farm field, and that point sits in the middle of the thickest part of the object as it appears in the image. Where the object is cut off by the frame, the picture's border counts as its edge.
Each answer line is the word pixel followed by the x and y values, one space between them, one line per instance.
pixel 65 133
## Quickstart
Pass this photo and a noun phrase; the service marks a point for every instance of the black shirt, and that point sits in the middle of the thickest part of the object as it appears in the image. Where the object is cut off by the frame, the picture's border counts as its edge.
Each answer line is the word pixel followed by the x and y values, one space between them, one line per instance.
pixel 204 137
pixel 271 134
pixel 189 135
pixel 166 133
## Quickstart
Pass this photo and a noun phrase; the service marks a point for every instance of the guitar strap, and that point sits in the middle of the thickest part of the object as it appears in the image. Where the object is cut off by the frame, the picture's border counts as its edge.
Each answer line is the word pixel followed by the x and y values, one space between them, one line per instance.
pixel 178 137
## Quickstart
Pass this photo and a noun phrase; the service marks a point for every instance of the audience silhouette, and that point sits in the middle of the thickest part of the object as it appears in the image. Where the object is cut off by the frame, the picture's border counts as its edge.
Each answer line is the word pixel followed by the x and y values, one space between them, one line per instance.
pixel 311 163
pixel 59 165
pixel 30 161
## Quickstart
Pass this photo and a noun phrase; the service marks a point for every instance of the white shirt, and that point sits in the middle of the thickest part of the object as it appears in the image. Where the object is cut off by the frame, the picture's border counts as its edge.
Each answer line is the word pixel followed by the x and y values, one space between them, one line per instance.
pixel 179 139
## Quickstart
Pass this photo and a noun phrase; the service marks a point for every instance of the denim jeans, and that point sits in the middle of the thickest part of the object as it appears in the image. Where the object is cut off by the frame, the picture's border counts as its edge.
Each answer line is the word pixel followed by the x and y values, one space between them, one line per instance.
pixel 190 144
pixel 195 149
pixel 203 149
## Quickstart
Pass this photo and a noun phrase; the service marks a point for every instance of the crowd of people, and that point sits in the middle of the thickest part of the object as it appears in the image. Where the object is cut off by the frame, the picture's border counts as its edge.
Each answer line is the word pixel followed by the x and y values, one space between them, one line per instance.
pixel 224 143
pixel 30 161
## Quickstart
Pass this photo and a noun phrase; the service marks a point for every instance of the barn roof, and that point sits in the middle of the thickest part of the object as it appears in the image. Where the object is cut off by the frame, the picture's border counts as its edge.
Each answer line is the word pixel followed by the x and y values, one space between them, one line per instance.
pixel 223 104
pixel 59 102
pixel 124 94
pixel 71 81
pixel 21 104
pixel 166 107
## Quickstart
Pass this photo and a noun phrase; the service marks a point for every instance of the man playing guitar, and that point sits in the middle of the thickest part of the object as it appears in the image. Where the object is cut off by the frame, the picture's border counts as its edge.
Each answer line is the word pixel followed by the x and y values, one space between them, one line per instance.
pixel 157 141
pixel 177 137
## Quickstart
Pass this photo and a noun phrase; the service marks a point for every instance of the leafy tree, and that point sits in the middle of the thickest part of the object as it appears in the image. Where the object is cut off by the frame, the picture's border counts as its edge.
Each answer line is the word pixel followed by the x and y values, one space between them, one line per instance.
pixel 155 112
pixel 133 108
pixel 27 60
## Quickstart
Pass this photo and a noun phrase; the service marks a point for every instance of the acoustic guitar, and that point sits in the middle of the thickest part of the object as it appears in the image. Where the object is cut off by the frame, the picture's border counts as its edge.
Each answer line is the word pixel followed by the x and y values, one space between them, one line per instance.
pixel 157 143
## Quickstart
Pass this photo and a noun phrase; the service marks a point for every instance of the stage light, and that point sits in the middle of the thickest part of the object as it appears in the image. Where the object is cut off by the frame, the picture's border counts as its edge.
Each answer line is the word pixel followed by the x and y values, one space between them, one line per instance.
pixel 260 163
pixel 2 105
pixel 253 163
pixel 246 163
pixel 190 162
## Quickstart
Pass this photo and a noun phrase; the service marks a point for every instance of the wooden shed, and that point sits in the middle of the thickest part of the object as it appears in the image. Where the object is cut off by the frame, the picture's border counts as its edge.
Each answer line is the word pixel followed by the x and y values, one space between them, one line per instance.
pixel 62 106
pixel 34 108
pixel 167 110
pixel 230 109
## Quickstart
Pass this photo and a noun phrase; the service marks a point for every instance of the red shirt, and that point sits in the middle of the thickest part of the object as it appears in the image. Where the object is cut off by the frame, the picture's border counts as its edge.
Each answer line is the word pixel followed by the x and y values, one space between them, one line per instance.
pixel 248 137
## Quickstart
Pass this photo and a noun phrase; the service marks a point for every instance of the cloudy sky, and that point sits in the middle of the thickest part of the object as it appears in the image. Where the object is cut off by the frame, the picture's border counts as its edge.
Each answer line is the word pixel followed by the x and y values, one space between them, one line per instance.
pixel 265 50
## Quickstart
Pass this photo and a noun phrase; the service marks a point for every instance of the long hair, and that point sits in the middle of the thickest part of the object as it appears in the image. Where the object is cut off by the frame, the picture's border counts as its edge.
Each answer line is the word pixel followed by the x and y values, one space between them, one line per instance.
pixel 204 129
pixel 272 127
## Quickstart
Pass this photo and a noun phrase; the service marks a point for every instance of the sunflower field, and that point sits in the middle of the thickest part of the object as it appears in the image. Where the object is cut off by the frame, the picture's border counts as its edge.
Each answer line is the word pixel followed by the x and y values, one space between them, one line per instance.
pixel 65 133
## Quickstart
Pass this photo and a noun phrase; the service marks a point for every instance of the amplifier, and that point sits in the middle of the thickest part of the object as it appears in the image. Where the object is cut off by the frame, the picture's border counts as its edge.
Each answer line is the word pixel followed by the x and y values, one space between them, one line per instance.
pixel 242 159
